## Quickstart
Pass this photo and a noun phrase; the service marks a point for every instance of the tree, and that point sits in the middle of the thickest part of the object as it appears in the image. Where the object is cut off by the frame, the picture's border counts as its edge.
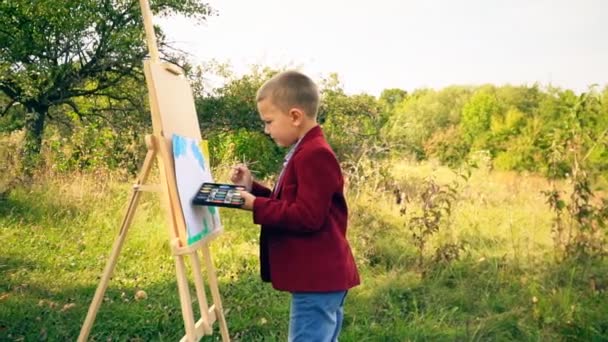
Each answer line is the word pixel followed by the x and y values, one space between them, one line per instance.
pixel 231 106
pixel 229 117
pixel 477 113
pixel 447 146
pixel 351 122
pixel 53 52
pixel 422 114
pixel 390 98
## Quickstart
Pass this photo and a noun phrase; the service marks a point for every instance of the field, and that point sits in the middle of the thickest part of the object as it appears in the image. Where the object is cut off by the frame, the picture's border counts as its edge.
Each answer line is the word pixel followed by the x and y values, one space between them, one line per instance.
pixel 503 284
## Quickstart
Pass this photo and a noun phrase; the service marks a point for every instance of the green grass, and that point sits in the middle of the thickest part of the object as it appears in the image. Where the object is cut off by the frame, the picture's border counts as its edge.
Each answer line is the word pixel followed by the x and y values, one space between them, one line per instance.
pixel 57 234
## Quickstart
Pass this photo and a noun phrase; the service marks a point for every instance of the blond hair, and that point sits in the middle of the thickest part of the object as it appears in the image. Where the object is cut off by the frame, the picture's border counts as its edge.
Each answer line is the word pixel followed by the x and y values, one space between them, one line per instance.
pixel 291 89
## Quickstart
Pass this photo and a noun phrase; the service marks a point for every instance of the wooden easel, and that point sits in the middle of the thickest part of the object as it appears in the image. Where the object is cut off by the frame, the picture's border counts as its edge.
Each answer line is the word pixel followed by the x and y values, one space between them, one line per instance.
pixel 172 110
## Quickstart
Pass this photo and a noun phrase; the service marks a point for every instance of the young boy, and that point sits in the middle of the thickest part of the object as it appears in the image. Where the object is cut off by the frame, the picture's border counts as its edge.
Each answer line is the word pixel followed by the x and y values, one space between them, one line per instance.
pixel 303 246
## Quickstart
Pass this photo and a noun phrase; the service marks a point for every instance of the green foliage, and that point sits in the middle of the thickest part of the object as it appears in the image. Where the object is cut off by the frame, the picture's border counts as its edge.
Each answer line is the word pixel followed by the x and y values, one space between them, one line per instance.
pixel 436 204
pixel 521 98
pixel 106 134
pixel 512 149
pixel 519 155
pixel 580 226
pixel 426 211
pixel 53 52
pixel 351 122
pixel 389 98
pixel 231 106
pixel 10 166
pixel 581 138
pixel 421 114
pixel 11 118
pixel 504 127
pixel 448 146
pixel 477 113
pixel 67 65
pixel 255 149
pixel 94 146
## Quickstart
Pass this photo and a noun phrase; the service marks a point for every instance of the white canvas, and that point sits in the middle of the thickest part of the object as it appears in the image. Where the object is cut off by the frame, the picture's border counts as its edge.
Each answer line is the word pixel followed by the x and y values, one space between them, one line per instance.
pixel 191 170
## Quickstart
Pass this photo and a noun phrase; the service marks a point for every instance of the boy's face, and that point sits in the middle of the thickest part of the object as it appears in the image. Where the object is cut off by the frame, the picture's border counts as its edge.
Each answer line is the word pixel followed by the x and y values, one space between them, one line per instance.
pixel 281 126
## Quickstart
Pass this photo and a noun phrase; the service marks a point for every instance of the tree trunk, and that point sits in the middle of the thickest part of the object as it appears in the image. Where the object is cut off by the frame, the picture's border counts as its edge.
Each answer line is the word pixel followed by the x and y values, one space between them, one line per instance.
pixel 32 142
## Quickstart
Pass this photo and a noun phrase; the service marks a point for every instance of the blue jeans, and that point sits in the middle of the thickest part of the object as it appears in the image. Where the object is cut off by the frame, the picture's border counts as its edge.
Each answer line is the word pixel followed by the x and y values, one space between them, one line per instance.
pixel 316 316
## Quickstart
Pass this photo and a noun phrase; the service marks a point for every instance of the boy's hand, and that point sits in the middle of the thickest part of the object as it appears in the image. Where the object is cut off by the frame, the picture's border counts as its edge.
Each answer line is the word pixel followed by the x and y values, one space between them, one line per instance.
pixel 249 198
pixel 241 175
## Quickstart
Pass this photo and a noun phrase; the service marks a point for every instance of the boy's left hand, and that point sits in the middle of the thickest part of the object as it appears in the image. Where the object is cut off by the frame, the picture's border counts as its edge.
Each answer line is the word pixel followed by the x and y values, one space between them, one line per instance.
pixel 249 198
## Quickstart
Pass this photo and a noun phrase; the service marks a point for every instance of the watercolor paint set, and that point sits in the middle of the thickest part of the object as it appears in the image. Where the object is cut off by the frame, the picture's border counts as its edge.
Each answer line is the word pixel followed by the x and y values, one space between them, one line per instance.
pixel 219 195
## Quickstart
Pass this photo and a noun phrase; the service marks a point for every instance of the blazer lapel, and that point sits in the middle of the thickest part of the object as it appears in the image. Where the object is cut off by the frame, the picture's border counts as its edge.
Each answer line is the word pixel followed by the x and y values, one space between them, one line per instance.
pixel 313 133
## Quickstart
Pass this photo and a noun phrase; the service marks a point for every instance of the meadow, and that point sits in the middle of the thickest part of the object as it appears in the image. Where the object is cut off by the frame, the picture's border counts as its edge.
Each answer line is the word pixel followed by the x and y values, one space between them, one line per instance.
pixel 502 283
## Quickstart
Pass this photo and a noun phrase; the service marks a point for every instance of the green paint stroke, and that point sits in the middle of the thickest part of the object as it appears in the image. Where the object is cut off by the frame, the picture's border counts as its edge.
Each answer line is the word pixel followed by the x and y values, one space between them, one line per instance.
pixel 203 233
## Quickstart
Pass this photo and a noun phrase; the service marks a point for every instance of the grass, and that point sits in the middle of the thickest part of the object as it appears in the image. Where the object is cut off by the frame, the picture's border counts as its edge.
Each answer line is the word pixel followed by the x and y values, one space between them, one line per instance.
pixel 506 286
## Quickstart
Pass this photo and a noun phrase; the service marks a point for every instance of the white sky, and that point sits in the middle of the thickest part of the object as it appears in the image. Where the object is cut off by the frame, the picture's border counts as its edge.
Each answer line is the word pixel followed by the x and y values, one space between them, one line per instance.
pixel 407 44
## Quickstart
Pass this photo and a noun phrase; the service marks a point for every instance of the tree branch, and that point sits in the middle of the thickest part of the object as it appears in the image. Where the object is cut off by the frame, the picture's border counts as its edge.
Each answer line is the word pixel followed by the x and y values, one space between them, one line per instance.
pixel 67 124
pixel 75 108
pixel 115 97
pixel 101 117
pixel 9 90
pixel 9 106
pixel 67 91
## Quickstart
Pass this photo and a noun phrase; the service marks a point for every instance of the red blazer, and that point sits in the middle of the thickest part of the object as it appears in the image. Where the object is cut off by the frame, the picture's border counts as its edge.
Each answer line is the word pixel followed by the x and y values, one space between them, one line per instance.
pixel 303 246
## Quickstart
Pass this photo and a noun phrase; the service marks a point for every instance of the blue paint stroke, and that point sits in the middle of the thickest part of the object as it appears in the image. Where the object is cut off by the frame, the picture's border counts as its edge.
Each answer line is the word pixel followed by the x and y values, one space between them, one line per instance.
pixel 179 146
pixel 196 151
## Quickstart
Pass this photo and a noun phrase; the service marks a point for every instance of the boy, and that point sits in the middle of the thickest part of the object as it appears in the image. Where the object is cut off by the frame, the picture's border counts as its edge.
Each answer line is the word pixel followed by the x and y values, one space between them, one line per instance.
pixel 303 246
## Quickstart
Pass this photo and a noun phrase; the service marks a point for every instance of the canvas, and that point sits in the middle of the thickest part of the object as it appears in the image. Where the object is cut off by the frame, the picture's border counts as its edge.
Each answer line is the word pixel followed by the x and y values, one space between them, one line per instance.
pixel 191 170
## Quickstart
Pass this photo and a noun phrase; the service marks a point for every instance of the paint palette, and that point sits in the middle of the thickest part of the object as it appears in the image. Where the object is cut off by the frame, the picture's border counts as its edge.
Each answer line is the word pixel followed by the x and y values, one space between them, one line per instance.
pixel 219 195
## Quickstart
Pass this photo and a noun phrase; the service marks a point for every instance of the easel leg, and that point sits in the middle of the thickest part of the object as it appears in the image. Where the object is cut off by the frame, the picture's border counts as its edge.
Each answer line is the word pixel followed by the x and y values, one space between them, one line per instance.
pixel 184 298
pixel 215 294
pixel 200 291
pixel 107 273
pixel 126 222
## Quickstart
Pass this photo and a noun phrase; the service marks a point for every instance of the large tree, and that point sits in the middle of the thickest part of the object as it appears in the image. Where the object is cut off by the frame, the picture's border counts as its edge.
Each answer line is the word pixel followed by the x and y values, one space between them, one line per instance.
pixel 53 52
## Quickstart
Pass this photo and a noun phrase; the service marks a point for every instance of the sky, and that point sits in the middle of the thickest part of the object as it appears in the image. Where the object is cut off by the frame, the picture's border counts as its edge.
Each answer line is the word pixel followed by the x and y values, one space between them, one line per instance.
pixel 380 44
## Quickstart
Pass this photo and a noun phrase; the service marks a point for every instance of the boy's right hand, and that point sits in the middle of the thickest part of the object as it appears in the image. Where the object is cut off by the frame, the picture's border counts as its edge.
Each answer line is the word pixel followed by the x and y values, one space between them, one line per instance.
pixel 241 175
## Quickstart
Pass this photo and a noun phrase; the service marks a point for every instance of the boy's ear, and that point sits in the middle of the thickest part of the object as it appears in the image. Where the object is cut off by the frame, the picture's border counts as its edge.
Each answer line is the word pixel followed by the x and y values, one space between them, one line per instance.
pixel 297 115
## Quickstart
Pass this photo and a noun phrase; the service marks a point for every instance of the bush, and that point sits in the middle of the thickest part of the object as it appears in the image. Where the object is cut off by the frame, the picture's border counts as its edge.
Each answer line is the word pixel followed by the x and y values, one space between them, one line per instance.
pixel 11 161
pixel 93 146
pixel 255 149
pixel 448 146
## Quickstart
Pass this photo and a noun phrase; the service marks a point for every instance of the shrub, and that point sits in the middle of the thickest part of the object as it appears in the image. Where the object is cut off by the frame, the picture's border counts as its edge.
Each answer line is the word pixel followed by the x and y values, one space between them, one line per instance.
pixel 255 149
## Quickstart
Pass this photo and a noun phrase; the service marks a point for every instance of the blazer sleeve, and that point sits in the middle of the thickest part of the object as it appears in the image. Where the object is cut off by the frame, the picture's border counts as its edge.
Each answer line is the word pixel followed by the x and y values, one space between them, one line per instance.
pixel 318 178
pixel 259 190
